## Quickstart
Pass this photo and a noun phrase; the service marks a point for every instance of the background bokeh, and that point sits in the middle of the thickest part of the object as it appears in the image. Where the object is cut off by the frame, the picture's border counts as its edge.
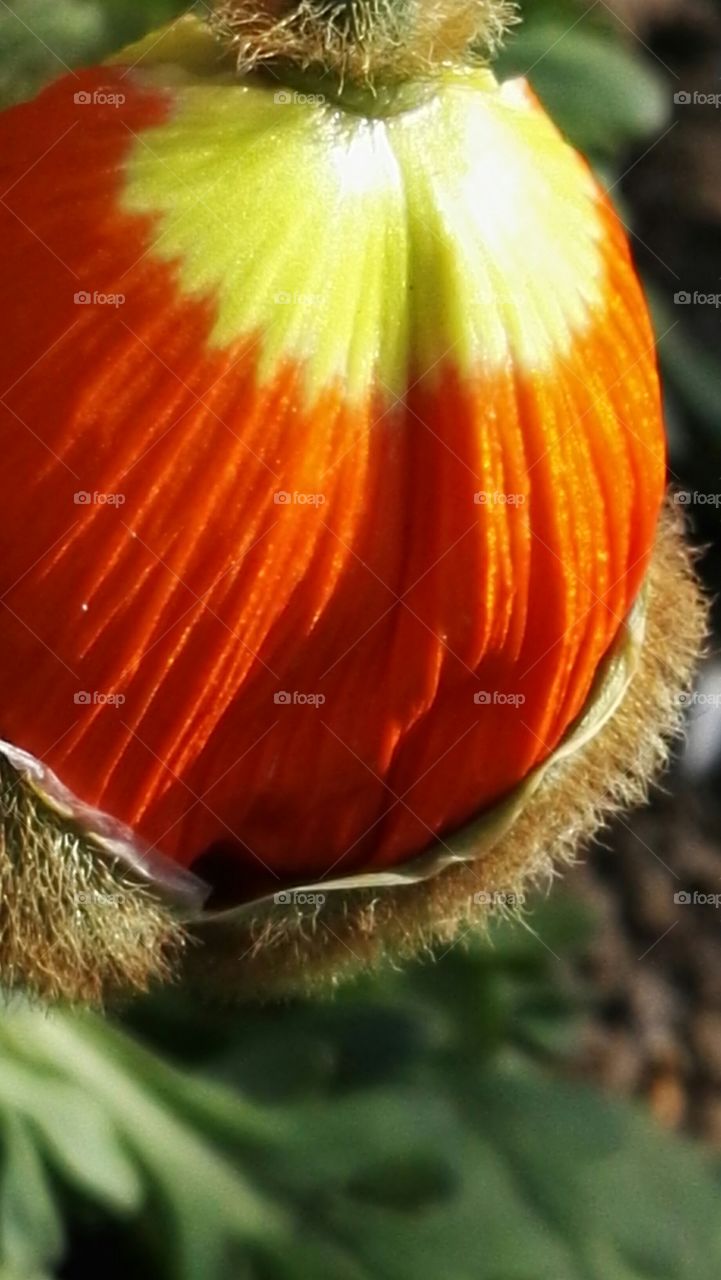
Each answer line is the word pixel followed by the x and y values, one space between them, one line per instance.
pixel 542 1104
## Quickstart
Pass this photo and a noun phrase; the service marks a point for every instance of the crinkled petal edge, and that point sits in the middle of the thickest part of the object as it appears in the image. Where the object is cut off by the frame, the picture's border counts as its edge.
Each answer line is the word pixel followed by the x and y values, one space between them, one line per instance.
pixel 87 910
pixel 606 764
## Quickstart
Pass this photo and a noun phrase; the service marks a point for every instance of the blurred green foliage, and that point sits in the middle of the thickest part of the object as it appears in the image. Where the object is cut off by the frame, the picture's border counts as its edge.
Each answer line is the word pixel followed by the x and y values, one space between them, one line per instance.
pixel 409 1130
pixel 416 1128
pixel 40 39
pixel 601 94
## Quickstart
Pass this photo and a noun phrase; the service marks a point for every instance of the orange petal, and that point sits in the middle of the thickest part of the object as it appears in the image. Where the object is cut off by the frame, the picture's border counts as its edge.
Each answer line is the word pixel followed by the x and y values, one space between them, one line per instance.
pixel 481 537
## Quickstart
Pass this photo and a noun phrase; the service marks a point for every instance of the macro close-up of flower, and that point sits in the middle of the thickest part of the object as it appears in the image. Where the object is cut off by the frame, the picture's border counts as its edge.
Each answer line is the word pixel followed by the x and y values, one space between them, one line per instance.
pixel 333 433
pixel 360 691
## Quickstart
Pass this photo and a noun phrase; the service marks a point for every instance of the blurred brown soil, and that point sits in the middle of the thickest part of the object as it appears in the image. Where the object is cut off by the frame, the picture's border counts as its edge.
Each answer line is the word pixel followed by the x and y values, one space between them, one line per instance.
pixel 652 977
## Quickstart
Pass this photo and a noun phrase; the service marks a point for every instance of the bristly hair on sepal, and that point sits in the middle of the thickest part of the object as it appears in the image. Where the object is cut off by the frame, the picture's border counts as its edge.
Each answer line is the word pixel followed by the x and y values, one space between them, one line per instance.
pixel 77 925
pixel 365 42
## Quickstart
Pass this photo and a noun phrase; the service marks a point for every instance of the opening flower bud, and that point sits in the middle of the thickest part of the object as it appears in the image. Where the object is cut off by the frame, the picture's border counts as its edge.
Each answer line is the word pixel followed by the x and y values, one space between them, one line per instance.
pixel 333 466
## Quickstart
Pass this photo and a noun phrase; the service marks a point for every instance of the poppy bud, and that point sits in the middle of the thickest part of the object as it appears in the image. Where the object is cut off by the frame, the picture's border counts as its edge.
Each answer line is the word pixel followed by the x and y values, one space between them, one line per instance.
pixel 334 602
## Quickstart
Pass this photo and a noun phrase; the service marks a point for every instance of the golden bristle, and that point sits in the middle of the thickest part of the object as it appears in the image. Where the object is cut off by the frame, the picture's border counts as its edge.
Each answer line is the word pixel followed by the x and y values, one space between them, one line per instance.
pixel 75 924
pixel 363 40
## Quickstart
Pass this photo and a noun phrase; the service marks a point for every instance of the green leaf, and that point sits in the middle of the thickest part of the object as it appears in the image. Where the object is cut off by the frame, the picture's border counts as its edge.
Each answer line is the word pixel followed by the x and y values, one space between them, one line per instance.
pixel 440 1161
pixel 73 1130
pixel 517 1177
pixel 598 1172
pixel 691 369
pixel 31 1230
pixel 209 1210
pixel 42 39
